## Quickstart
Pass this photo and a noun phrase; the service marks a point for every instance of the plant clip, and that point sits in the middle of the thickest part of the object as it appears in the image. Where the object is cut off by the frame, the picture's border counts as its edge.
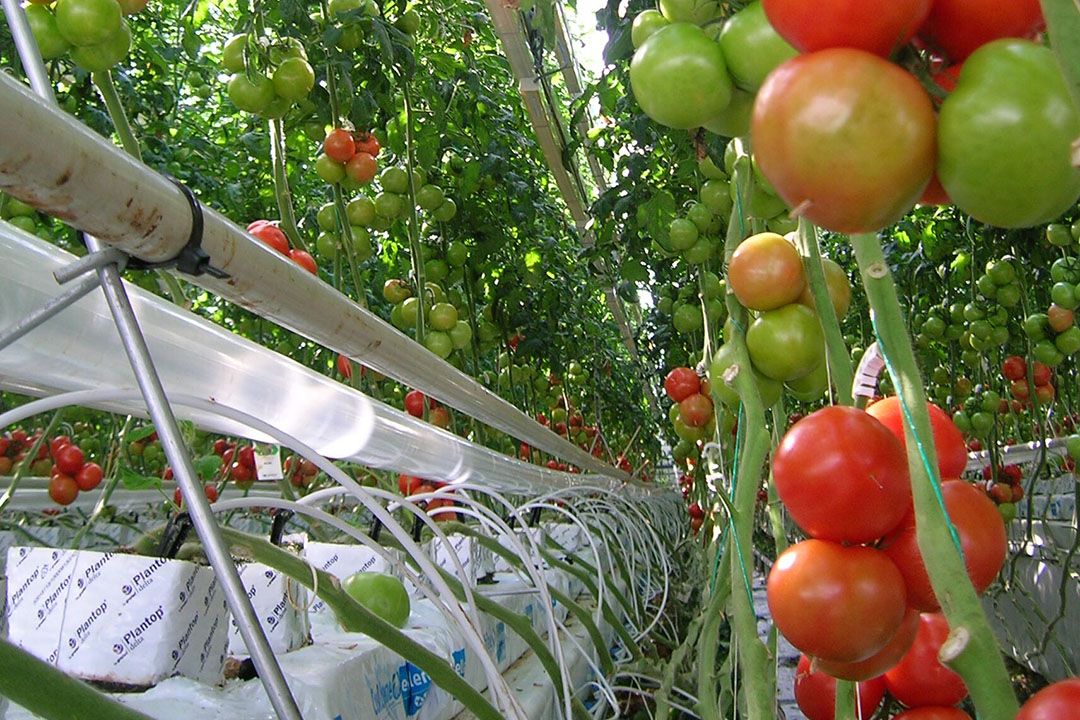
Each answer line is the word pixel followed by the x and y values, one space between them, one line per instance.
pixel 175 533
pixel 192 259
pixel 277 528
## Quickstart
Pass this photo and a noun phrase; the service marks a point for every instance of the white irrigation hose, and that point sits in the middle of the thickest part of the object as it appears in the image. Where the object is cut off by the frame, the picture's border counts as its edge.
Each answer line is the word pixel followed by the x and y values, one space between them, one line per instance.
pixel 496 683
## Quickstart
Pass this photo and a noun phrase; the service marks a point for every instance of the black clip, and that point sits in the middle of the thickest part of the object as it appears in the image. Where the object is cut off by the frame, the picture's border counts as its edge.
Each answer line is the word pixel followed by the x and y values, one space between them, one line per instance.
pixel 277 529
pixel 176 533
pixel 534 517
pixel 192 259
pixel 376 529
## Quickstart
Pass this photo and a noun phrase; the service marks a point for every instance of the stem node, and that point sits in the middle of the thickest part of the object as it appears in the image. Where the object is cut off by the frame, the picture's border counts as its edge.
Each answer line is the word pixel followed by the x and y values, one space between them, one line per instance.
pixel 954 645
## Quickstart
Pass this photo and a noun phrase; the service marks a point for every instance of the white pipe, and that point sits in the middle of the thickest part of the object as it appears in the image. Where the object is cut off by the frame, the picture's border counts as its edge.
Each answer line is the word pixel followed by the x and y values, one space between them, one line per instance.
pixel 51 161
pixel 79 349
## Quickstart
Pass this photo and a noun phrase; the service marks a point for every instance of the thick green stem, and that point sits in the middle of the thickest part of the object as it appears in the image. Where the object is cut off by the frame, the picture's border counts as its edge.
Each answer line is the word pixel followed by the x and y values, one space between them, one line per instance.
pixel 845 700
pixel 971 649
pixel 709 640
pixel 416 250
pixel 104 83
pixel 354 617
pixel 51 694
pixel 667 682
pixel 841 373
pixel 1063 25
pixel 282 192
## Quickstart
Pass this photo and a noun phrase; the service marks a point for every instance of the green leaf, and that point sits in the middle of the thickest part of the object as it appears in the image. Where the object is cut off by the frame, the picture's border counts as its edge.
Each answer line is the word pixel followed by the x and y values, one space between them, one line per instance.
pixel 132 480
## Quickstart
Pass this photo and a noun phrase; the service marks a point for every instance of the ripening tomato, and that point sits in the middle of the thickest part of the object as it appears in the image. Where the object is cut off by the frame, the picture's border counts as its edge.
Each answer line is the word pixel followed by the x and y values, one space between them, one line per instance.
pixel 957 28
pixel 982 536
pixel 681 383
pixel 304 260
pixel 815 692
pixel 1060 701
pixel 69 459
pixel 62 489
pixel 362 167
pixel 876 26
pixel 839 286
pixel 937 713
pixel 935 194
pixel 919 678
pixel 948 440
pixel 1004 136
pixel 881 661
pixel 1041 373
pixel 787 343
pixel 368 143
pixel 696 410
pixel 766 272
pixel 1014 368
pixel 836 602
pixel 339 145
pixel 679 77
pixel 414 403
pixel 408 484
pixel 821 138
pixel 842 476
pixel 88 477
pixel 271 235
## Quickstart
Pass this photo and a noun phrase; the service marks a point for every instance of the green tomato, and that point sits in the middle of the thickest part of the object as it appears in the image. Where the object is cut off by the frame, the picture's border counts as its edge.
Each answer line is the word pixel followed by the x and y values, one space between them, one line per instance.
pixel 389 205
pixel 1036 325
pixel 443 316
pixel 410 310
pixel 436 270
pixel 382 594
pixel 434 292
pixel 1064 294
pixel 104 55
pixel 1059 235
pixel 446 211
pixel 686 432
pixel 232 57
pixel 701 216
pixel 1068 342
pixel 361 211
pixel 461 335
pixel 457 254
pixel 1008 296
pixel 768 389
pixel 715 195
pixel 1072 446
pixel 679 78
pixel 327 245
pixel 43 25
pixel 1004 137
pixel 787 343
pixel 328 169
pixel 293 79
pixel 688 318
pixel 734 120
pixel 361 244
pixel 88 22
pixel 24 223
pixel 682 234
pixel 645 24
pixel 982 423
pixel 430 197
pixel 1066 269
pixel 812 387
pixel 326 218
pixel 253 96
pixel 395 180
pixel 439 343
pixel 340 7
pixel 17 208
pixel 690 11
pixel 409 22
pixel 1046 352
pixel 711 285
pixel 700 252
pixel 962 421
pixel 752 48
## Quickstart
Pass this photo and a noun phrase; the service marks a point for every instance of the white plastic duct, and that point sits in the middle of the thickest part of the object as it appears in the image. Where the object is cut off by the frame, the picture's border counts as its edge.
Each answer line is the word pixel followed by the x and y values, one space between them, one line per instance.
pixel 79 349
pixel 51 161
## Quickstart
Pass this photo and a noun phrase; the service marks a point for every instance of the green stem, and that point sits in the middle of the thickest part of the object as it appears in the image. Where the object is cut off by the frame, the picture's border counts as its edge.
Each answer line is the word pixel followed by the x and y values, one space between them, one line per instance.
pixel 51 694
pixel 845 700
pixel 977 658
pixel 709 640
pixel 1063 26
pixel 354 617
pixel 667 682
pixel 282 192
pixel 840 371
pixel 416 251
pixel 104 83
pixel 20 471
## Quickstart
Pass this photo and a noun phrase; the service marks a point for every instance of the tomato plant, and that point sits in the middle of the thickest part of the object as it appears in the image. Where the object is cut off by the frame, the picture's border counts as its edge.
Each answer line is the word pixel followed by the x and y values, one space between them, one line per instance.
pixel 752 48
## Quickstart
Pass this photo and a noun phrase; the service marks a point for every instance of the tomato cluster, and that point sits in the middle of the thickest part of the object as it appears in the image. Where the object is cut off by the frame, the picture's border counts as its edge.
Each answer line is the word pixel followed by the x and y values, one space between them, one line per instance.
pixel 409 485
pixel 60 459
pixel 300 471
pixel 94 32
pixel 851 139
pixel 269 76
pixel 436 414
pixel 272 236
pixel 237 462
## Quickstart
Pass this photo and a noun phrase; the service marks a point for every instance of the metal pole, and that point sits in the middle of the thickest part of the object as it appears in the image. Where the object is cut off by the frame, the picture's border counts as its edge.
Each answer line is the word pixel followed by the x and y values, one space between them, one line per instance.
pixel 70 296
pixel 161 414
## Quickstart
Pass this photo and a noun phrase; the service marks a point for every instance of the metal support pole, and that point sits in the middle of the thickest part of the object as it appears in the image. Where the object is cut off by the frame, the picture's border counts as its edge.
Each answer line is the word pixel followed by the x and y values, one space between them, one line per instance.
pixel 70 296
pixel 164 420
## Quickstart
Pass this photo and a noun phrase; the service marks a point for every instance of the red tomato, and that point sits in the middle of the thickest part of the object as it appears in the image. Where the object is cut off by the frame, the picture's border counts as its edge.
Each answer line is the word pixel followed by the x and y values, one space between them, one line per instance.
pixel 681 383
pixel 934 713
pixel 815 693
pixel 56 444
pixel 339 145
pixel 919 678
pixel 696 511
pixel 935 194
pixel 62 489
pixel 69 460
pixel 842 475
pixel 362 168
pixel 414 403
pixel 947 77
pixel 876 26
pixel 271 235
pixel 1045 393
pixel 246 456
pixel 220 446
pixel 304 260
pixel 958 28
pixel 948 440
pixel 439 417
pixel 367 143
pixel 88 477
pixel 241 473
pixel 696 410
pixel 982 536
pixel 1014 368
pixel 1041 373
pixel 823 141
pixel 883 659
pixel 1060 701
pixel 835 602
pixel 344 367
pixel 408 484
pixel 209 490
